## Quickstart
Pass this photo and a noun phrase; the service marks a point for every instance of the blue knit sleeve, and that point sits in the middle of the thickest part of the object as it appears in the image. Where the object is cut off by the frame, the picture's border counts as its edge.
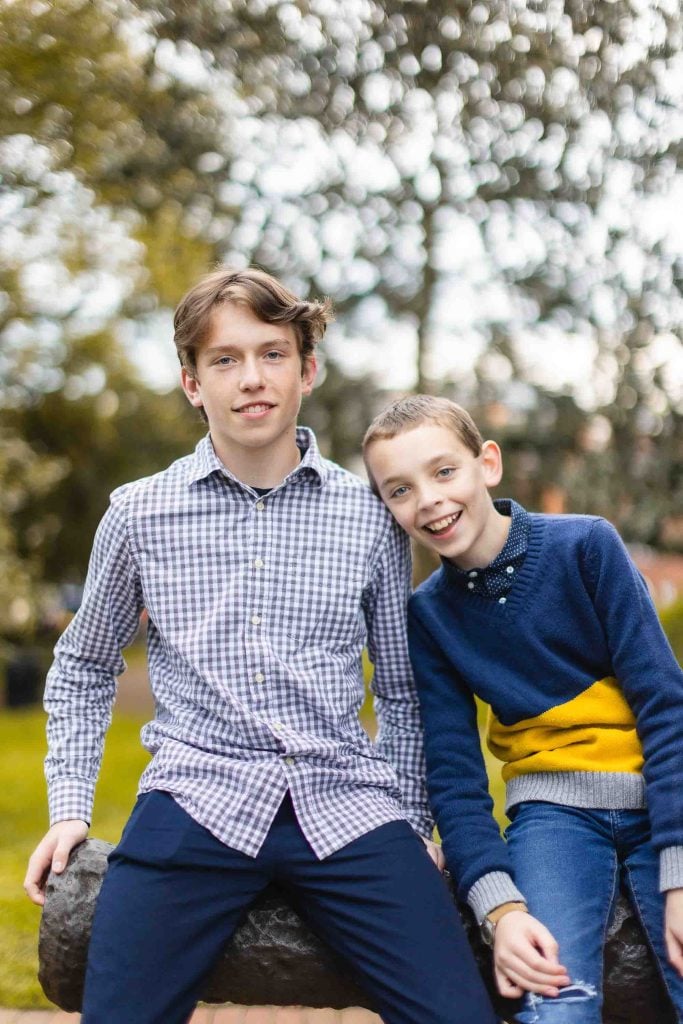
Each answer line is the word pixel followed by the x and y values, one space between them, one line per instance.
pixel 456 775
pixel 647 671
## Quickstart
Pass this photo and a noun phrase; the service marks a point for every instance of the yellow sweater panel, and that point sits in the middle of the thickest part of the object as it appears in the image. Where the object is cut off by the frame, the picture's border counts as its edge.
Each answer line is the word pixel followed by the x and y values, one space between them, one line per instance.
pixel 594 732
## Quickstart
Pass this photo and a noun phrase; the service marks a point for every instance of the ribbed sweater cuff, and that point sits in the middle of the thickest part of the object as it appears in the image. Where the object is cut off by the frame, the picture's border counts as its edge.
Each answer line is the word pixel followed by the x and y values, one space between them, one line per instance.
pixel 671 868
pixel 490 891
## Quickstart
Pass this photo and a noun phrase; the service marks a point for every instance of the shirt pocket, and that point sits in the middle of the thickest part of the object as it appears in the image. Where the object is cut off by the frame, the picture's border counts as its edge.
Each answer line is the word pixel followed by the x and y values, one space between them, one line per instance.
pixel 319 601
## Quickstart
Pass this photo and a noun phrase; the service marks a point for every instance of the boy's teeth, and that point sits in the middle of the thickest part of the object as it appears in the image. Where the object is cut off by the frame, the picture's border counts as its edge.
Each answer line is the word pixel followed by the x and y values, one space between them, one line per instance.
pixel 441 524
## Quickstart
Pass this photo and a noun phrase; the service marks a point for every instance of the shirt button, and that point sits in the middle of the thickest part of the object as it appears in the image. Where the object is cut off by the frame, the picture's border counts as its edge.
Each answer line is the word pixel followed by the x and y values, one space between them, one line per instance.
pixel 502 600
pixel 258 563
pixel 259 677
pixel 474 574
pixel 510 569
pixel 278 726
pixel 260 505
pixel 256 620
pixel 290 760
pixel 471 586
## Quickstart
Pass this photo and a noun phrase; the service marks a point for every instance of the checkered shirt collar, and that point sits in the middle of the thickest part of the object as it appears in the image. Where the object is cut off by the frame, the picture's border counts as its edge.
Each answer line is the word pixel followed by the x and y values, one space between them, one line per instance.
pixel 204 461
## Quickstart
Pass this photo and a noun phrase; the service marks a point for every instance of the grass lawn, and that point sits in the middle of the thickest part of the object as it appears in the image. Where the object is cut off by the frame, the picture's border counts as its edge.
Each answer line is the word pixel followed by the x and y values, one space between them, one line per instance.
pixel 23 812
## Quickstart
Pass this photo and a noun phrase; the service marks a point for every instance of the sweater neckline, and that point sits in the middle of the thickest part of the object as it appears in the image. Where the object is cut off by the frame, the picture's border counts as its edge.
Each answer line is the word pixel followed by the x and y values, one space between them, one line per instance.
pixel 525 576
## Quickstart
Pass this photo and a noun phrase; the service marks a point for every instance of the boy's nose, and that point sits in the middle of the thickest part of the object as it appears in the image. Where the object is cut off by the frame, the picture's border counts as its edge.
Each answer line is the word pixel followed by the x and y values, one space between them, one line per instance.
pixel 430 499
pixel 251 377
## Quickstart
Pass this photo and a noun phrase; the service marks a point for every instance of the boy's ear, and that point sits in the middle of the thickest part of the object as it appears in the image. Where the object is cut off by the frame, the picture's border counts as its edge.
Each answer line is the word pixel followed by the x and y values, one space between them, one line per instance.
pixel 308 374
pixel 492 463
pixel 191 388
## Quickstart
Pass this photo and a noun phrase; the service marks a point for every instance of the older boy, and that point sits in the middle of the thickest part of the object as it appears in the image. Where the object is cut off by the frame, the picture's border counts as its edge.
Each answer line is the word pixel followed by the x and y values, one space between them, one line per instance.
pixel 263 568
pixel 548 621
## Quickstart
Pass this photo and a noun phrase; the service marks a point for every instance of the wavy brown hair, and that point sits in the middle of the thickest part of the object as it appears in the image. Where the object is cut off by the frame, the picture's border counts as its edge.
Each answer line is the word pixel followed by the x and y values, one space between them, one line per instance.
pixel 263 294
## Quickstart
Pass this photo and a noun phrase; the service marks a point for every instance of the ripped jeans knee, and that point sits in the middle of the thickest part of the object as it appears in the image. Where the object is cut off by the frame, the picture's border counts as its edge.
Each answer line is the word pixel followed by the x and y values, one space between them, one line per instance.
pixel 576 1004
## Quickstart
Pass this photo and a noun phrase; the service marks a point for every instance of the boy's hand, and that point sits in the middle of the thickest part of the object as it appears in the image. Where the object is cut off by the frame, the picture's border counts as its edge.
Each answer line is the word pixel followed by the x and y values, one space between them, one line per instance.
pixel 435 852
pixel 52 852
pixel 525 957
pixel 673 928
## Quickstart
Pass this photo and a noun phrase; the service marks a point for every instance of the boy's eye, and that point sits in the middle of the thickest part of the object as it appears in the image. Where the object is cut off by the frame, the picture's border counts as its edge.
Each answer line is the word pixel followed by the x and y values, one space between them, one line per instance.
pixel 273 356
pixel 446 471
pixel 398 492
pixel 224 361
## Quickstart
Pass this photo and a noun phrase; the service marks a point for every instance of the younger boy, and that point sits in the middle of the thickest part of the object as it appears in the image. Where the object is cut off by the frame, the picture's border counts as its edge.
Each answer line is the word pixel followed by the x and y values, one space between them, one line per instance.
pixel 264 568
pixel 547 620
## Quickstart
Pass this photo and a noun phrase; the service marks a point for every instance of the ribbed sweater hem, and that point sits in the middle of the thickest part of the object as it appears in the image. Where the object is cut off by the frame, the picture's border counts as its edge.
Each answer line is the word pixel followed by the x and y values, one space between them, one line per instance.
pixel 605 790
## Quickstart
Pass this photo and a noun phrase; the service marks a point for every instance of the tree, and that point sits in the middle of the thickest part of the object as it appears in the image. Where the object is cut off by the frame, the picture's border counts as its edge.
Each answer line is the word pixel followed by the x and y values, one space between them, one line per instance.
pixel 483 177
pixel 111 155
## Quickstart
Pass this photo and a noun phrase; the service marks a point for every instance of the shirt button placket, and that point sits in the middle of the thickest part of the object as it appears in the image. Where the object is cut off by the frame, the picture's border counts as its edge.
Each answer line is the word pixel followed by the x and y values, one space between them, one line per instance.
pixel 259 583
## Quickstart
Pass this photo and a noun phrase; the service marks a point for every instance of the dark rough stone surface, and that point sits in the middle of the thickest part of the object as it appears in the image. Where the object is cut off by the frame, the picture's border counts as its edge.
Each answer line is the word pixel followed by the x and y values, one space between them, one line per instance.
pixel 275 959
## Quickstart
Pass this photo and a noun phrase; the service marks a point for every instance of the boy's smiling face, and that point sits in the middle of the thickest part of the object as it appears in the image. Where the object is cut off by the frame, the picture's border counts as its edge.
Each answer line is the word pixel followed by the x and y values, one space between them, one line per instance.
pixel 250 380
pixel 437 490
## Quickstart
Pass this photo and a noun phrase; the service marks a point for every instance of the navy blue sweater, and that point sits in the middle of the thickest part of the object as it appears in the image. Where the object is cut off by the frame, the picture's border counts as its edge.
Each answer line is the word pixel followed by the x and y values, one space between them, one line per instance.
pixel 584 690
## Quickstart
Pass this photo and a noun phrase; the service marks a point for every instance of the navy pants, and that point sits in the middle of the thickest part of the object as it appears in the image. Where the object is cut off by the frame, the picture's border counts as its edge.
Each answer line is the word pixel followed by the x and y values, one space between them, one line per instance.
pixel 174 894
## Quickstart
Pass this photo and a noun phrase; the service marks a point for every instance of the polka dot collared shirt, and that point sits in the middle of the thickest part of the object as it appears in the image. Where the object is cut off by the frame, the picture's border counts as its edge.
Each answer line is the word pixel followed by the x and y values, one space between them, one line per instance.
pixel 496 579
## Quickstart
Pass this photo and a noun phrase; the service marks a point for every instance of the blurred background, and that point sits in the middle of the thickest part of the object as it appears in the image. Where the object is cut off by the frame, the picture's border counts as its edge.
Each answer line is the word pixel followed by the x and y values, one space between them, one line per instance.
pixel 490 192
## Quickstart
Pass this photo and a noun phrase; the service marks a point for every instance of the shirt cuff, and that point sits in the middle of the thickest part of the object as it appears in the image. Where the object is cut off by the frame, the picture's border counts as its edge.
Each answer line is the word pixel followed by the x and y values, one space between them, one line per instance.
pixel 71 798
pixel 490 891
pixel 671 868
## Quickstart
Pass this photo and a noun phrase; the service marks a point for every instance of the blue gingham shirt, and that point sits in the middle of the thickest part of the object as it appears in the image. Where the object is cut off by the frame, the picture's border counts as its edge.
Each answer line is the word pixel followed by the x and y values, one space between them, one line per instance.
pixel 259 608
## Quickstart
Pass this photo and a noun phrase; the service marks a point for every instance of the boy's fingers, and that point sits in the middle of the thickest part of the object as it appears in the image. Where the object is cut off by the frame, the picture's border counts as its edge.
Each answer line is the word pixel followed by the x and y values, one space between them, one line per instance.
pixel 61 856
pixel 546 943
pixel 527 983
pixel 523 957
pixel 544 966
pixel 36 875
pixel 506 987
pixel 674 951
pixel 525 973
pixel 34 892
pixel 435 852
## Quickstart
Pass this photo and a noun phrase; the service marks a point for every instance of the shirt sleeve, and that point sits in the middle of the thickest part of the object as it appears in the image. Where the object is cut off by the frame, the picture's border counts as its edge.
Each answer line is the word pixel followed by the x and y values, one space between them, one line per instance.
pixel 649 675
pixel 456 777
pixel 399 727
pixel 81 684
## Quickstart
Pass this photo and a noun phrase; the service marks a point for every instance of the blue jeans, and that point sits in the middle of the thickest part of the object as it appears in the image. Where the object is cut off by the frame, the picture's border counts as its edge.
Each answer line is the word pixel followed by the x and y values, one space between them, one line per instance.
pixel 569 862
pixel 173 895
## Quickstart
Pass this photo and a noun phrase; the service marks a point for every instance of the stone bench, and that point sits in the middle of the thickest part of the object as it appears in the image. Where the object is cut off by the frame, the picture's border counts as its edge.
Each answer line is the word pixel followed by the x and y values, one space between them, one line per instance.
pixel 275 959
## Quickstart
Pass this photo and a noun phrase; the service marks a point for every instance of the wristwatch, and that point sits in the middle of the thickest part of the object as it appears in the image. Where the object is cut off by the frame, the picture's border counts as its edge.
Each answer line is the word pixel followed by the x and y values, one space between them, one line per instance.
pixel 488 925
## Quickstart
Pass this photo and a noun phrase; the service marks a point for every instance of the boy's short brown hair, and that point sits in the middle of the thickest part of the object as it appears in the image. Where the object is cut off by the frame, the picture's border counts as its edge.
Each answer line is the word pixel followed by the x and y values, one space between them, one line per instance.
pixel 413 410
pixel 262 293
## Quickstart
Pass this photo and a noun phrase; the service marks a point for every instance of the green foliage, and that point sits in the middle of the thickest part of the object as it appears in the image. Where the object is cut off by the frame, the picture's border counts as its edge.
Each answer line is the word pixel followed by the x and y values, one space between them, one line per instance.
pixel 106 109
pixel 23 812
pixel 25 478
pixel 109 156
pixel 122 432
